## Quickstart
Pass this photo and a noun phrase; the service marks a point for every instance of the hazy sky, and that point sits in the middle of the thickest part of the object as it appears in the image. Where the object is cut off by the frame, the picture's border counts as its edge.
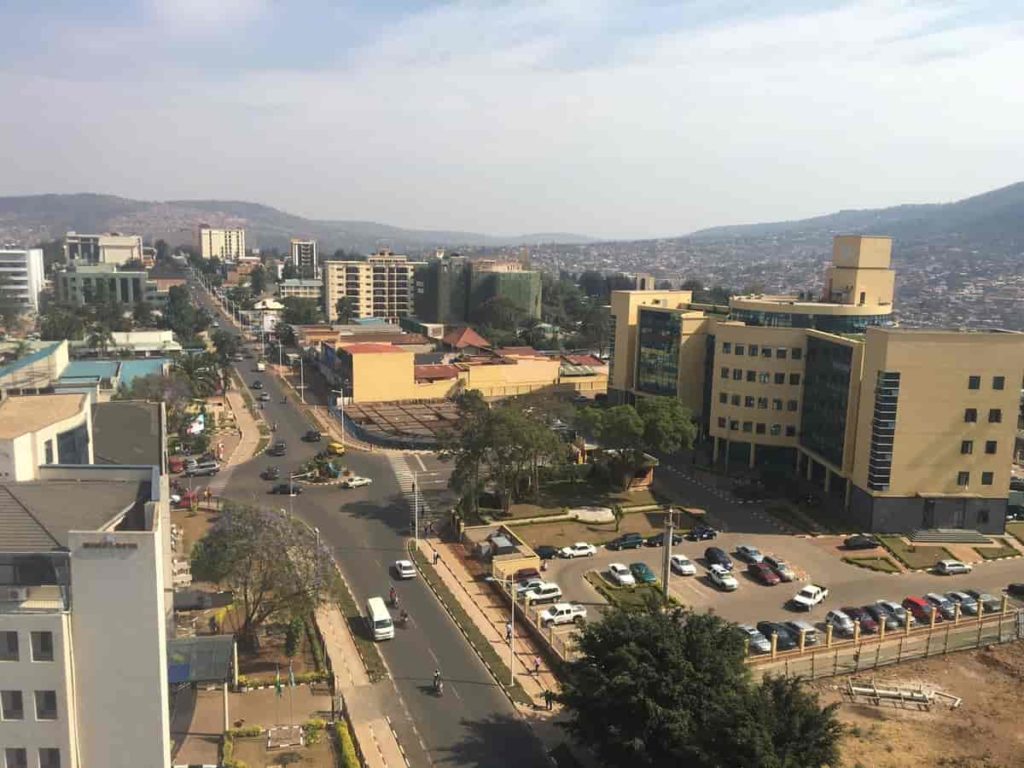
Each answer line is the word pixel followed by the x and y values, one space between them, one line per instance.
pixel 605 118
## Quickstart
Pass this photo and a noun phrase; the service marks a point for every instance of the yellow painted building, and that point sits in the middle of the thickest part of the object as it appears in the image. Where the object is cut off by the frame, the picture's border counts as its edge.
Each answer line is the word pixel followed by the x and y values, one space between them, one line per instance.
pixel 381 286
pixel 223 244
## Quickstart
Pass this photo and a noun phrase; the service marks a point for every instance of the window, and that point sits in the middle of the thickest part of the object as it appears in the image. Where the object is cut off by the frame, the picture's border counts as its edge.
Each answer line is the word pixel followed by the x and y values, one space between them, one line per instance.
pixel 748 401
pixel 751 375
pixel 998 382
pixel 798 353
pixel 15 757
pixel 11 705
pixel 963 478
pixel 763 377
pixel 49 757
pixel 740 349
pixel 776 430
pixel 49 451
pixel 9 646
pixel 776 404
pixel 780 378
pixel 982 516
pixel 794 379
pixel 966 447
pixel 725 373
pixel 986 478
pixel 790 430
pixel 995 415
pixel 759 428
pixel 762 402
pixel 781 353
pixel 766 351
pixel 737 374
pixel 974 382
pixel 46 705
pixel 991 446
pixel 753 350
pixel 970 415
pixel 42 646
pixel 721 421
pixel 734 425
pixel 735 399
pixel 748 426
pixel 723 398
pixel 791 405
pixel 727 347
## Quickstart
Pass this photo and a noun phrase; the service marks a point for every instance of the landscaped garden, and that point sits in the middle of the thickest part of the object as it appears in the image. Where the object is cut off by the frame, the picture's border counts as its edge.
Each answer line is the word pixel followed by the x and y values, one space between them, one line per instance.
pixel 915 556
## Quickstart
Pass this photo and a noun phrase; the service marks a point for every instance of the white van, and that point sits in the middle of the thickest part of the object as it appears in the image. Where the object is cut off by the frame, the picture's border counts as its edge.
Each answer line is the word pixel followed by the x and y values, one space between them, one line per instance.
pixel 261 366
pixel 377 616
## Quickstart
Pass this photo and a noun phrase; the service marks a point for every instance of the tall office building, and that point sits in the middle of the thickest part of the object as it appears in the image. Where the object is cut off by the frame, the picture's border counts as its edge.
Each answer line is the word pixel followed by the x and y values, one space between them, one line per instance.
pixel 909 429
pixel 448 288
pixel 381 286
pixel 110 248
pixel 223 244
pixel 305 258
pixel 21 275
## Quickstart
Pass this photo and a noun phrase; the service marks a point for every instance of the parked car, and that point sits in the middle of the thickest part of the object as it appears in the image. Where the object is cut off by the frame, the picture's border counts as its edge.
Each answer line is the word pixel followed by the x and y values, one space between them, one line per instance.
pixel 355 481
pixel 989 603
pixel 762 573
pixel 202 469
pixel 701 532
pixel 860 541
pixel 621 575
pixel 526 573
pixel 951 567
pixel 545 592
pixel 312 436
pixel 897 611
pixel 563 613
pixel 756 642
pixel 682 565
pixel 968 605
pixel 287 489
pixel 784 640
pixel 579 549
pixel 781 568
pixel 526 585
pixel 882 617
pixel 404 569
pixel 280 448
pixel 921 609
pixel 626 541
pixel 188 499
pixel 749 554
pixel 270 473
pixel 809 596
pixel 643 573
pixel 1015 589
pixel 722 578
pixel 868 625
pixel 716 556
pixel 810 632
pixel 658 539
pixel 546 552
pixel 336 449
pixel 944 605
pixel 839 622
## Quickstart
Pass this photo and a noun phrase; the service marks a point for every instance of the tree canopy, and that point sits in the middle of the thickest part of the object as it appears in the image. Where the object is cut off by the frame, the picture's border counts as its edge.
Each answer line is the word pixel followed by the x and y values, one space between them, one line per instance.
pixel 301 311
pixel 346 309
pixel 182 316
pixel 654 689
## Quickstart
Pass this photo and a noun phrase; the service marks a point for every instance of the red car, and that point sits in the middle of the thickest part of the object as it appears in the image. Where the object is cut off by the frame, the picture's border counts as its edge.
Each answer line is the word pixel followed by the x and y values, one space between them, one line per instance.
pixel 921 610
pixel 188 500
pixel 763 573
pixel 868 625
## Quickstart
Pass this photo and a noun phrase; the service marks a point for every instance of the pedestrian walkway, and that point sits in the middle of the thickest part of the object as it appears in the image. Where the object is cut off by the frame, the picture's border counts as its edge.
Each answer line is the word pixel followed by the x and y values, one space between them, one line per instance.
pixel 406 479
pixel 247 425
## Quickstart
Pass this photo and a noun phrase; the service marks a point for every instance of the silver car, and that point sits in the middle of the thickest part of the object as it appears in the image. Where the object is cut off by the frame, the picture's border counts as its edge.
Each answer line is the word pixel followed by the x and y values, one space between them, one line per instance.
pixel 756 642
pixel 839 622
pixel 968 605
pixel 897 611
pixel 780 566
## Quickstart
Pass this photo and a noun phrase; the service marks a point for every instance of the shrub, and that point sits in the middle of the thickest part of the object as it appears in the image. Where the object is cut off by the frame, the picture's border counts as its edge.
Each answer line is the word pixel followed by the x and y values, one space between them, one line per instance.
pixel 314 730
pixel 292 636
pixel 346 746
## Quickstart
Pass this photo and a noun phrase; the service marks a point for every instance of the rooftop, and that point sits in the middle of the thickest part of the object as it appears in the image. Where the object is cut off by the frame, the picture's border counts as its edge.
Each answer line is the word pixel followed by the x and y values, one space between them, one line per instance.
pixel 127 432
pixel 90 369
pixel 370 349
pixel 435 372
pixel 21 415
pixel 465 337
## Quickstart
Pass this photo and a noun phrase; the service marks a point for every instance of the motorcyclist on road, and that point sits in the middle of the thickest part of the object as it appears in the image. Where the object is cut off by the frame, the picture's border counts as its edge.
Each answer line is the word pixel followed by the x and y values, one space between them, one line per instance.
pixel 403 617
pixel 394 596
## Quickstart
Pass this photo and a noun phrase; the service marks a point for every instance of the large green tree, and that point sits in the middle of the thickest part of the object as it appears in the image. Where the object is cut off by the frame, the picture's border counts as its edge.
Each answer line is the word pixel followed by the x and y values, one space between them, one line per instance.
pixel 201 371
pixel 61 322
pixel 258 280
pixel 656 689
pixel 174 390
pixel 181 315
pixel 301 311
pixel 346 309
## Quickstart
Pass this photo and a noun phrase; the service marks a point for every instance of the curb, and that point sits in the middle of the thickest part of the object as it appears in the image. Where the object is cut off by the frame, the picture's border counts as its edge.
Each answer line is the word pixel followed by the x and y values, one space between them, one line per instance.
pixel 394 733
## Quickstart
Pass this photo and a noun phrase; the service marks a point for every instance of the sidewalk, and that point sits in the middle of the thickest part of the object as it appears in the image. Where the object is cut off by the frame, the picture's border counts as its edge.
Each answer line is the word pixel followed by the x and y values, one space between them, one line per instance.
pixel 247 425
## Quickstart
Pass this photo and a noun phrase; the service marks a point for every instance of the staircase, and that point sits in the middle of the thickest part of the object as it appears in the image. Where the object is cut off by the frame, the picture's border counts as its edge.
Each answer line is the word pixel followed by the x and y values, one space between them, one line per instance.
pixel 948 536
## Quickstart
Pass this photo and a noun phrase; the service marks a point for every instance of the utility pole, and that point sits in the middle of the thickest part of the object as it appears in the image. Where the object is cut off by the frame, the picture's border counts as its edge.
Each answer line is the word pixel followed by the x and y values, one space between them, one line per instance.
pixel 415 508
pixel 666 567
pixel 302 380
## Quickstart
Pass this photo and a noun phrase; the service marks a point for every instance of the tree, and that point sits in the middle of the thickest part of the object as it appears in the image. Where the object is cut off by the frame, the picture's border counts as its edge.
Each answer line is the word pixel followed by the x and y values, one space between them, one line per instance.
pixel 531 333
pixel 201 371
pixel 595 328
pixel 270 561
pixel 668 424
pixel 663 285
pixel 285 334
pixel 173 390
pixel 692 285
pixel 346 309
pixel 99 338
pixel 498 312
pixel 258 280
pixel 594 284
pixel 226 343
pixel 142 314
pixel 289 272
pixel 181 316
pixel 654 688
pixel 163 251
pixel 301 311
pixel 293 636
pixel 61 322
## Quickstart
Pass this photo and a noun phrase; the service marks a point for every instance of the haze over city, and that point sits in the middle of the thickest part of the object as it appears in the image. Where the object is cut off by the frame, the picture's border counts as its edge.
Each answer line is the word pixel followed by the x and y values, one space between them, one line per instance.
pixel 608 119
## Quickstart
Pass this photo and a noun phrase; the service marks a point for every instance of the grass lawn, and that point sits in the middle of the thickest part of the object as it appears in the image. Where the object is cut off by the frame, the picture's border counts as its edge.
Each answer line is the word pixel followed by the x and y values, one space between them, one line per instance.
pixel 1016 529
pixel 367 648
pixel 883 564
pixel 562 532
pixel 1002 549
pixel 554 497
pixel 915 556
pixel 625 597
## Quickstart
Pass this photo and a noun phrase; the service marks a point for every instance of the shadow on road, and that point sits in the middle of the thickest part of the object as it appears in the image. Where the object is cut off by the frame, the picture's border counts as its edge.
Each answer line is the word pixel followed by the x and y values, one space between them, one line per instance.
pixel 493 741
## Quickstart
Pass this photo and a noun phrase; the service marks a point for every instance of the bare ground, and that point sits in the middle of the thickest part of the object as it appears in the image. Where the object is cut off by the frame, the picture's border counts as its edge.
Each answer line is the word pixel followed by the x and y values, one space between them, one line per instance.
pixel 984 732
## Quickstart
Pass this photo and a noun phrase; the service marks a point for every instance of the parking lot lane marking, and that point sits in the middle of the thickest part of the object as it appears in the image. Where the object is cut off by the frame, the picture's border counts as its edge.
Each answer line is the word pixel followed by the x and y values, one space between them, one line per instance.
pixel 419 460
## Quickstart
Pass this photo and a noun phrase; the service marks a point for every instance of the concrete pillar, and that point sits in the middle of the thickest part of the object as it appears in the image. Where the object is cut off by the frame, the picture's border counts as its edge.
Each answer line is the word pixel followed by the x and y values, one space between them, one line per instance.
pixel 828 635
pixel 810 467
pixel 227 719
pixel 847 493
pixel 796 467
pixel 775 644
pixel 714 450
pixel 828 479
pixel 753 456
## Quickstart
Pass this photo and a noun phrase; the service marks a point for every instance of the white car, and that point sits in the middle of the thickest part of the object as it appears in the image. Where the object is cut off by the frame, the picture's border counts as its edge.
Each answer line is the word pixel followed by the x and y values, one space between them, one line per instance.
pixel 579 549
pixel 524 586
pixel 682 565
pixel 722 578
pixel 749 554
pixel 621 575
pixel 355 482
pixel 563 613
pixel 951 567
pixel 405 569
pixel 543 593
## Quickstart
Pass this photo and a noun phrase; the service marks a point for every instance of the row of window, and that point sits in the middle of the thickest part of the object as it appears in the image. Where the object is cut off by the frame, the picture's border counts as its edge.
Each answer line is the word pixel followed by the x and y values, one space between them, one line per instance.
pixel 754 350
pixel 758 428
pixel 998 382
pixel 967 446
pixel 12 705
pixel 17 757
pixel 964 478
pixel 749 401
pixel 761 377
pixel 42 645
pixel 995 415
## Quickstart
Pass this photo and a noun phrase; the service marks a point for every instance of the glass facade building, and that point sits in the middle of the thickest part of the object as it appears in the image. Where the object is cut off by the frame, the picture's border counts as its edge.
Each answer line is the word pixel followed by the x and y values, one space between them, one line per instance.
pixel 658 339
pixel 826 398
pixel 827 323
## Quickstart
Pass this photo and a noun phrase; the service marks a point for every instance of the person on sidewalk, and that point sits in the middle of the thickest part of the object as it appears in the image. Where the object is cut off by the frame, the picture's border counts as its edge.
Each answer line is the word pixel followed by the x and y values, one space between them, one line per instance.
pixel 536 665
pixel 508 631
pixel 548 699
pixel 437 556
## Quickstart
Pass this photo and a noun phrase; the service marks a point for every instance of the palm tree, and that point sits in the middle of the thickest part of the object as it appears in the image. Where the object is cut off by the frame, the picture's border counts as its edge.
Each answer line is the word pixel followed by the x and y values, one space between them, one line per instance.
pixel 100 338
pixel 201 371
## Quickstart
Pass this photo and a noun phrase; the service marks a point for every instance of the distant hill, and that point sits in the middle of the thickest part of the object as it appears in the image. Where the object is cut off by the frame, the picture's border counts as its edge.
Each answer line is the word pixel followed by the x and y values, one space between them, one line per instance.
pixel 993 221
pixel 35 218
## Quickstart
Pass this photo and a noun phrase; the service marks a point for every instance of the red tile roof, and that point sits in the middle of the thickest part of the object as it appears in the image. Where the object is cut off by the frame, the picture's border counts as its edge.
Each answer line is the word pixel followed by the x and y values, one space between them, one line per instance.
pixel 464 337
pixel 584 360
pixel 521 352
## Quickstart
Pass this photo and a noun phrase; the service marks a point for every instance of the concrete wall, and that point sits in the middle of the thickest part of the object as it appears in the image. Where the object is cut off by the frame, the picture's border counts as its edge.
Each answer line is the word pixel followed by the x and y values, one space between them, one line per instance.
pixel 902 514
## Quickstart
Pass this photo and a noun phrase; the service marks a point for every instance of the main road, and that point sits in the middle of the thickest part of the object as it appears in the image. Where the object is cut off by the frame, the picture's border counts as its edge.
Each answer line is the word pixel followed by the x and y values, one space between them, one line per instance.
pixel 367 529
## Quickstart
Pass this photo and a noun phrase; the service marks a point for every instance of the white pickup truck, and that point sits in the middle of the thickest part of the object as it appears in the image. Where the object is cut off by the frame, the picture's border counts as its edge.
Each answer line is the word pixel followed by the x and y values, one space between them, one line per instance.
pixel 809 596
pixel 563 613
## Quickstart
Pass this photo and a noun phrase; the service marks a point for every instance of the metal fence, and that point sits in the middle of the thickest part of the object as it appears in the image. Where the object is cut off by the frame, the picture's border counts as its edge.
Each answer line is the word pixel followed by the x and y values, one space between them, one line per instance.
pixel 559 640
pixel 873 651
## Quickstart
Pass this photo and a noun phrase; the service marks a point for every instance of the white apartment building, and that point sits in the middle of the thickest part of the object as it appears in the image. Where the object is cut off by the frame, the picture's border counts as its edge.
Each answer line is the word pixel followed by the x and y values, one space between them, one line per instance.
pixel 112 248
pixel 382 286
pixel 83 649
pixel 223 244
pixel 305 258
pixel 43 429
pixel 21 275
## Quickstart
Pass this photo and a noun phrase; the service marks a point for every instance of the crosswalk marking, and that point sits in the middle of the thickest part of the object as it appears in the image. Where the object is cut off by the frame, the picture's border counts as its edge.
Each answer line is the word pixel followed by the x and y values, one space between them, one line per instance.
pixel 406 478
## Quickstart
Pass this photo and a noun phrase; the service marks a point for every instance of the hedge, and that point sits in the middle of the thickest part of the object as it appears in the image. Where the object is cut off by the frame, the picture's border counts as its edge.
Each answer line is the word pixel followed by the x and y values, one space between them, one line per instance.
pixel 349 758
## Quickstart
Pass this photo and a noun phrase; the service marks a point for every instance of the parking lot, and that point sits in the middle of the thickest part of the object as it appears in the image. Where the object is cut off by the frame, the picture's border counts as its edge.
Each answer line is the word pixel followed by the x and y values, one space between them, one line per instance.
pixel 813 560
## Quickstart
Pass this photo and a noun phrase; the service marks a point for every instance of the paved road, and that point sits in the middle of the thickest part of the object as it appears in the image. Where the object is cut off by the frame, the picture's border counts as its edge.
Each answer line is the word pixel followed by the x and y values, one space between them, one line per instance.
pixel 366 528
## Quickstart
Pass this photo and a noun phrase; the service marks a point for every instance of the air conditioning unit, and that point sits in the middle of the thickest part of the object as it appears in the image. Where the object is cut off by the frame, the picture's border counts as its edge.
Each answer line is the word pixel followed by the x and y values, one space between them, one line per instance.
pixel 15 594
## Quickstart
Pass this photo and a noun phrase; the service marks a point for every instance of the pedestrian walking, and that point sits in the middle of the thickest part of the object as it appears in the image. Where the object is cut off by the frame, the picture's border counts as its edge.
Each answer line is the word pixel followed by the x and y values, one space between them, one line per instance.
pixel 536 665
pixel 437 556
pixel 508 631
pixel 548 698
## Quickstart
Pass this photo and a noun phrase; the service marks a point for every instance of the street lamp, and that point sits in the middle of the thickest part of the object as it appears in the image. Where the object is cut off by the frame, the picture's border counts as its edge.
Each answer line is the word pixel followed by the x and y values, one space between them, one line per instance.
pixel 509 585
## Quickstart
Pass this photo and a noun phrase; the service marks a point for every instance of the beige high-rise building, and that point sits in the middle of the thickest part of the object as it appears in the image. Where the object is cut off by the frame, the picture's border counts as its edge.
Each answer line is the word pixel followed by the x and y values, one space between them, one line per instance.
pixel 382 286
pixel 305 258
pixel 223 244
pixel 908 429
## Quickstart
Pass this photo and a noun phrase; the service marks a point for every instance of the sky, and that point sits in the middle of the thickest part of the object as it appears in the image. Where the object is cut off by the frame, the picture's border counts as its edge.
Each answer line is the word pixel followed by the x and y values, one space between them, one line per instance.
pixel 608 118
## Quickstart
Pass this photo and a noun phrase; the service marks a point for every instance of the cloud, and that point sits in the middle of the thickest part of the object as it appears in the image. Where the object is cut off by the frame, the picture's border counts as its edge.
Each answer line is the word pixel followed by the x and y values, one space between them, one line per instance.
pixel 205 18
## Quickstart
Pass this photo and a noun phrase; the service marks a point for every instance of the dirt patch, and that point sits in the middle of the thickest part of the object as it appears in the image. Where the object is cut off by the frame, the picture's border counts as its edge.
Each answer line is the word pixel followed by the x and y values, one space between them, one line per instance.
pixel 255 754
pixel 984 732
pixel 193 525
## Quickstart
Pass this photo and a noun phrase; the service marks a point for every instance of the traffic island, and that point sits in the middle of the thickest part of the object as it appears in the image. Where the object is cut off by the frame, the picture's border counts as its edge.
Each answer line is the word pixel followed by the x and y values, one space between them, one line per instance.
pixel 640 596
